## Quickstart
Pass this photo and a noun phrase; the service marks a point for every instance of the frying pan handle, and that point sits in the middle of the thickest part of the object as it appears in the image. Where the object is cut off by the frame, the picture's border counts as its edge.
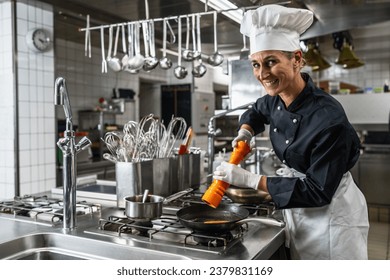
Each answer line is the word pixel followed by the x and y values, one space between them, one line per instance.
pixel 266 221
pixel 177 195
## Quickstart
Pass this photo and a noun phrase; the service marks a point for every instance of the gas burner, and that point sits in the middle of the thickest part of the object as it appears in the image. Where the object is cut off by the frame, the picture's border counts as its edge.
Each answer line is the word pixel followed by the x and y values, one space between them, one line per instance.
pixel 142 226
pixel 42 209
pixel 213 239
pixel 126 225
pixel 168 228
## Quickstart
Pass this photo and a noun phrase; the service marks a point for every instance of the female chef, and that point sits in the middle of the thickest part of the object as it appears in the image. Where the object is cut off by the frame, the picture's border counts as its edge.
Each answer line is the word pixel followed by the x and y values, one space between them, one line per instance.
pixel 325 212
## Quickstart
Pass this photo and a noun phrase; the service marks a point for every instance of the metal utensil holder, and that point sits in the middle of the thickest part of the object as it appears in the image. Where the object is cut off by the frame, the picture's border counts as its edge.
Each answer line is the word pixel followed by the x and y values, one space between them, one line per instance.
pixel 132 178
pixel 161 176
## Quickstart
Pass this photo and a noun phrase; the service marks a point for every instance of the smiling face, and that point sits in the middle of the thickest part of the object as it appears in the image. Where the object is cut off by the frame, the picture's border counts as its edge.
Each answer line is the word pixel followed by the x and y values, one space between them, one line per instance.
pixel 279 72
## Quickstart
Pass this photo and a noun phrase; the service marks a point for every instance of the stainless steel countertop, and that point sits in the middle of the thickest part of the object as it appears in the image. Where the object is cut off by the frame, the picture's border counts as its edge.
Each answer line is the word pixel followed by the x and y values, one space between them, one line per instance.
pixel 264 240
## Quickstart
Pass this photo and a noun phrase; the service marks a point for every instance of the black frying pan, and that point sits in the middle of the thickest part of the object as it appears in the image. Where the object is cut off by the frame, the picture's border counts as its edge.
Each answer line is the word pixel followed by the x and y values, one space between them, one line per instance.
pixel 203 218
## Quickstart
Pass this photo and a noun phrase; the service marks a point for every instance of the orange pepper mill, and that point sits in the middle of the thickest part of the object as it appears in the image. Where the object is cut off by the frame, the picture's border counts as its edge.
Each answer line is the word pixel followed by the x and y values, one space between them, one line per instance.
pixel 216 190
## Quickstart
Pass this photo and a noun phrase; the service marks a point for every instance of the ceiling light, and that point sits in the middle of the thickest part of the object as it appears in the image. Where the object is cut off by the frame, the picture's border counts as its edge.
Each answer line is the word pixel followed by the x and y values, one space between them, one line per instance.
pixel 314 58
pixel 233 12
pixel 347 58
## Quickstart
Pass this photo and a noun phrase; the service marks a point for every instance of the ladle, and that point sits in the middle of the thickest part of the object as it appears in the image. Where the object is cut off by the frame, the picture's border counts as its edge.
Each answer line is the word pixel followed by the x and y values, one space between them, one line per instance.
pixel 88 39
pixel 199 70
pixel 165 62
pixel 188 55
pixel 125 58
pixel 104 62
pixel 150 61
pixel 195 53
pixel 130 50
pixel 137 61
pixel 216 58
pixel 113 62
pixel 179 71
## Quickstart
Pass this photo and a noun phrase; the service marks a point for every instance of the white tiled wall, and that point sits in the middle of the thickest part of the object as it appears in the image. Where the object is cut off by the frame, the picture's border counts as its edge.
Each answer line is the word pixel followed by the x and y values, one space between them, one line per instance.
pixel 7 104
pixel 35 83
pixel 85 81
pixel 371 75
pixel 36 110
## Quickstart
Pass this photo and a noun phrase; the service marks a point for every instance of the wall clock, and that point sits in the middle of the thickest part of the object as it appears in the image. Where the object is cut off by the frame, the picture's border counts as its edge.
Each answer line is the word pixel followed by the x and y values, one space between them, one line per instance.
pixel 38 40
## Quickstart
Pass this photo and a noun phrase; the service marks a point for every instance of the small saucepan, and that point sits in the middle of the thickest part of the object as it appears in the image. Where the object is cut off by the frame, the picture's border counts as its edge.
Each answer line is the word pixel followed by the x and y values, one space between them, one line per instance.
pixel 152 207
pixel 224 218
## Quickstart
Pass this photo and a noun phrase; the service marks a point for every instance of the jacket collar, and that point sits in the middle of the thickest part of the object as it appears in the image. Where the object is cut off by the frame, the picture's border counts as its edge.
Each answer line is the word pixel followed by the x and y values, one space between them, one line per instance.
pixel 302 97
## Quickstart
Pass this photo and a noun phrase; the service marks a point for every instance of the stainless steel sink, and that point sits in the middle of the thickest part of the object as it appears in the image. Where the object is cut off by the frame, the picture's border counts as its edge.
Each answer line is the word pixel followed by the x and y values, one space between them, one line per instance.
pixel 55 246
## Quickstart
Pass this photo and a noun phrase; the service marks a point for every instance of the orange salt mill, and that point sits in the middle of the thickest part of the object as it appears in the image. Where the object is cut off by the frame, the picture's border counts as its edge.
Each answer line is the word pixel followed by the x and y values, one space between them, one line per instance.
pixel 216 190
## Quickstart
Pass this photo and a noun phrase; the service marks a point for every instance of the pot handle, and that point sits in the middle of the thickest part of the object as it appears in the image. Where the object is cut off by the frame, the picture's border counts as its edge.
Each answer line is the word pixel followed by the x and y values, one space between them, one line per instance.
pixel 177 195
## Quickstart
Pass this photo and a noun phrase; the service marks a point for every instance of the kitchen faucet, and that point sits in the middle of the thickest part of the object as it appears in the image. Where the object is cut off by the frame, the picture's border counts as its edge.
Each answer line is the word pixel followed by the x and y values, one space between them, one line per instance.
pixel 69 151
pixel 212 132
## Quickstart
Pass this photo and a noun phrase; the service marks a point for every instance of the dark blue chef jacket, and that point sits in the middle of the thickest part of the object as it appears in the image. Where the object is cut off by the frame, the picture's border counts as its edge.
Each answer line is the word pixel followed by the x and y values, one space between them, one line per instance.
pixel 313 136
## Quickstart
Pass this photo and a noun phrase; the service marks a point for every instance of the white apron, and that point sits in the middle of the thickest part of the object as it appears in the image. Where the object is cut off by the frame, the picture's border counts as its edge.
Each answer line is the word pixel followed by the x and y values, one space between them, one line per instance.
pixel 332 232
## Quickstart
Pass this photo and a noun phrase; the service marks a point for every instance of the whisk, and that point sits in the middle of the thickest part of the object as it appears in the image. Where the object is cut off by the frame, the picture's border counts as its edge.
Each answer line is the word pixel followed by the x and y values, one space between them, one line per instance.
pixel 170 138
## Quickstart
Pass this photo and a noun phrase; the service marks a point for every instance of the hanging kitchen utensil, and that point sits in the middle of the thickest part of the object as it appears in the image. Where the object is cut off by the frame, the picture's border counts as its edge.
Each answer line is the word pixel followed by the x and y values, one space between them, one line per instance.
pixel 216 58
pixel 195 52
pixel 172 34
pixel 110 30
pixel 199 70
pixel 179 71
pixel 87 39
pixel 150 61
pixel 130 50
pixel 137 61
pixel 188 54
pixel 244 51
pixel 114 62
pixel 104 62
pixel 125 58
pixel 165 62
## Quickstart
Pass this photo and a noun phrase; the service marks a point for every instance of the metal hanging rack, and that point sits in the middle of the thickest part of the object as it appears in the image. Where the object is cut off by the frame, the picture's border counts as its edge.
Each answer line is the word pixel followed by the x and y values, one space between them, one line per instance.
pixel 160 19
pixel 148 21
pixel 173 17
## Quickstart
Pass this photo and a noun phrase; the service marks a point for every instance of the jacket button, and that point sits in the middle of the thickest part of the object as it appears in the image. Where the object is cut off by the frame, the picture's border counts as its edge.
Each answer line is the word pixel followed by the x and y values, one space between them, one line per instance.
pixel 275 129
pixel 287 141
pixel 279 108
pixel 284 161
pixel 295 120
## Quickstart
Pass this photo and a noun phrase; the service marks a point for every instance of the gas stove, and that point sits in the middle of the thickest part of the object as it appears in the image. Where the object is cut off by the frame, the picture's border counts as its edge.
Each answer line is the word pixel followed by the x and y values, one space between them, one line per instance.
pixel 167 231
pixel 41 209
pixel 250 239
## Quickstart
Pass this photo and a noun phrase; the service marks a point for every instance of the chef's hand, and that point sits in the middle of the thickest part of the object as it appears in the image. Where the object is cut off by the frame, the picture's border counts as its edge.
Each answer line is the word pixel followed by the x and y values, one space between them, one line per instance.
pixel 237 176
pixel 243 135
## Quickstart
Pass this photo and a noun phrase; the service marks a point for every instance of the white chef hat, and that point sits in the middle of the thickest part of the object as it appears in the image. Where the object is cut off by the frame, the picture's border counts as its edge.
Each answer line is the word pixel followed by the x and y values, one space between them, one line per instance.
pixel 274 27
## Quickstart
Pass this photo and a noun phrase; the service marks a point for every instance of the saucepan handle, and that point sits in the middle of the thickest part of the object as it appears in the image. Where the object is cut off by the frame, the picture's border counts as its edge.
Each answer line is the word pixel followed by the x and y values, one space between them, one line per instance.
pixel 177 195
